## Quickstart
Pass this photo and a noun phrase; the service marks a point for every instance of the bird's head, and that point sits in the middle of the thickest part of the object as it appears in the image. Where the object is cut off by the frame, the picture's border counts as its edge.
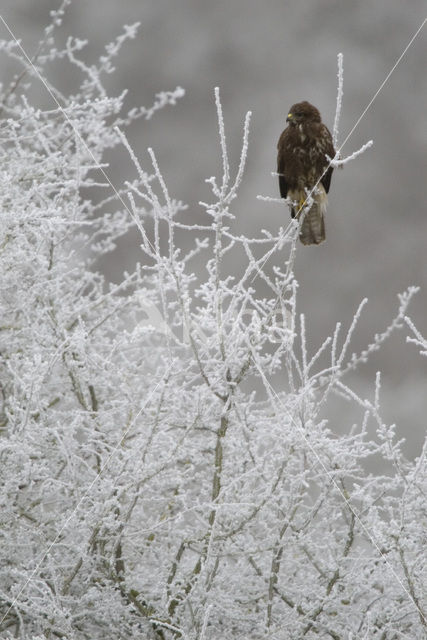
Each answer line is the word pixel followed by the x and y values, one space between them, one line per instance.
pixel 301 113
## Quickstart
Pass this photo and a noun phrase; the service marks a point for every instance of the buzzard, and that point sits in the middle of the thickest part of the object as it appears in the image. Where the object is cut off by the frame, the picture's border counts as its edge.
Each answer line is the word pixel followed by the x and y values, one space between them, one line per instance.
pixel 302 166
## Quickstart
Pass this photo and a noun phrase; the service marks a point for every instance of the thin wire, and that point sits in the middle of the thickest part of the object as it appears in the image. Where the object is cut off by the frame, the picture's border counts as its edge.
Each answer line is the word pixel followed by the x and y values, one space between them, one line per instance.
pixel 106 463
pixel 384 81
pixel 142 408
pixel 359 119
pixel 333 481
pixel 86 493
pixel 267 382
pixel 76 131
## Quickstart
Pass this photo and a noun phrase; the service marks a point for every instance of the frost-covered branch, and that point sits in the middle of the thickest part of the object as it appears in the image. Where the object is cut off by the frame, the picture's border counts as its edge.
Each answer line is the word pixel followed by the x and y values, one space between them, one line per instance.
pixel 340 162
pixel 340 92
pixel 164 467
pixel 418 338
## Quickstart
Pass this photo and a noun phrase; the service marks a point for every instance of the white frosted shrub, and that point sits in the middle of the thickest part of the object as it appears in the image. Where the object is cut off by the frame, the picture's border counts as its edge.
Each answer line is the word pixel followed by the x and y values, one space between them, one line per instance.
pixel 154 482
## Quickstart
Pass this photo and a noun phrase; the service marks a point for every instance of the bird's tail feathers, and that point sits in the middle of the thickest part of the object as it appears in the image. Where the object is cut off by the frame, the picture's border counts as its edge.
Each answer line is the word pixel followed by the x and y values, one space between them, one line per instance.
pixel 312 229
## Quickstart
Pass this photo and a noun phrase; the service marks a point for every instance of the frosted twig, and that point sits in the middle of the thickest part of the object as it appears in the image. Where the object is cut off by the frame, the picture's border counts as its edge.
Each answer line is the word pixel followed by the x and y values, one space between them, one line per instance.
pixel 162 99
pixel 224 152
pixel 340 75
pixel 243 157
pixel 171 627
pixel 281 407
pixel 281 201
pixel 303 348
pixel 213 467
pixel 205 622
pixel 338 162
pixel 404 299
pixel 419 339
pixel 161 180
pixel 417 333
pixel 91 72
pixel 350 331
pixel 113 48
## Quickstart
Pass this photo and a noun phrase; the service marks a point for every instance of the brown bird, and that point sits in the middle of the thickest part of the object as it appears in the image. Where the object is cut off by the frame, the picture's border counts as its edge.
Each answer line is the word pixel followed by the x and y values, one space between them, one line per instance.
pixel 302 165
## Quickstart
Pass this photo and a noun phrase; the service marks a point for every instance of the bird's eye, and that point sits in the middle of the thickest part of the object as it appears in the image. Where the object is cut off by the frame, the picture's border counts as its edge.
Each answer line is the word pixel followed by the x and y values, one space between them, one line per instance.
pixel 299 114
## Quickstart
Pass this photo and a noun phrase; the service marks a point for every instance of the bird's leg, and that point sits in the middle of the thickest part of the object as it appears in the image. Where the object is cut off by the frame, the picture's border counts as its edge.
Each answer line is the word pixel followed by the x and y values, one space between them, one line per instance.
pixel 301 204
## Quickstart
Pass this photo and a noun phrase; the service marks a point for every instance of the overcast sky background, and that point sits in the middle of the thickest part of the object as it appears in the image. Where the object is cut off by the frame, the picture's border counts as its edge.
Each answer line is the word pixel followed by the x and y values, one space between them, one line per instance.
pixel 265 56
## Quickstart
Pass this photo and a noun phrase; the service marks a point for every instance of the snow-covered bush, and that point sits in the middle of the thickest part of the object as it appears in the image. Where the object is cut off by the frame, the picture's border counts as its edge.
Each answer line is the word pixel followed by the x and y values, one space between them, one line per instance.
pixel 155 483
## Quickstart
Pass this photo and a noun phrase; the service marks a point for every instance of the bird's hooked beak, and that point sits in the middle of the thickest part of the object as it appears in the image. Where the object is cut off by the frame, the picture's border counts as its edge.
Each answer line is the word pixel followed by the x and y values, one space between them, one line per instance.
pixel 290 118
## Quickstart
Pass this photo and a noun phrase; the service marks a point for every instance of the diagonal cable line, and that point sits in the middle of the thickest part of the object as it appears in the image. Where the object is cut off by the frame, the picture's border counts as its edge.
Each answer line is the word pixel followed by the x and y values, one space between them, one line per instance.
pixel 38 74
pixel 84 496
pixel 330 476
pixel 384 82
pixel 368 106
pixel 112 453
pixel 70 122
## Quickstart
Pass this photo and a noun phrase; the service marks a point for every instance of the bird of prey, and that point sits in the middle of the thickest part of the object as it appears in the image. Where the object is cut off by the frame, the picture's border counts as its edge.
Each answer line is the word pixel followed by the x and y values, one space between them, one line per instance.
pixel 303 168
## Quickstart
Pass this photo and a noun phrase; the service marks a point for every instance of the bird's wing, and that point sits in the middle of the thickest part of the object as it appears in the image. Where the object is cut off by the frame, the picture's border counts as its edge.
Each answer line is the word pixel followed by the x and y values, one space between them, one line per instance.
pixel 328 149
pixel 283 185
